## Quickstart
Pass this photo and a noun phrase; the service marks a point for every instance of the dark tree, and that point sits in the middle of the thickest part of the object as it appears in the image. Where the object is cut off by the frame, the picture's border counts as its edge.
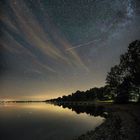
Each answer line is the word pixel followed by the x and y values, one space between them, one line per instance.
pixel 114 79
pixel 123 79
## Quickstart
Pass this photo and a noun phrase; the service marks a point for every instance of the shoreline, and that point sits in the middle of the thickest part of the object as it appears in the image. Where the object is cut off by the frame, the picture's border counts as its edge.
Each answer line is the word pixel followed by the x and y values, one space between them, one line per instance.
pixel 123 123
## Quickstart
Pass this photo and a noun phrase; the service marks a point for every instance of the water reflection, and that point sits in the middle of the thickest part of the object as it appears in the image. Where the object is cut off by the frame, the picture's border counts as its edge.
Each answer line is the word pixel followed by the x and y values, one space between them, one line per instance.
pixel 92 110
pixel 41 121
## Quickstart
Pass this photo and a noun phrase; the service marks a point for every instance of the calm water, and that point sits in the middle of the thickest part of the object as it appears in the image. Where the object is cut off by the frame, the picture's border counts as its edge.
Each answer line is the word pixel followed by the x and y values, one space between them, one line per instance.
pixel 41 121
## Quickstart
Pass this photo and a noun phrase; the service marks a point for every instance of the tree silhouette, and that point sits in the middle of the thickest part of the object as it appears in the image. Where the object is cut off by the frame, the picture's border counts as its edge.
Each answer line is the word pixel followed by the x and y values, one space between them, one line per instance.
pixel 123 79
pixel 114 78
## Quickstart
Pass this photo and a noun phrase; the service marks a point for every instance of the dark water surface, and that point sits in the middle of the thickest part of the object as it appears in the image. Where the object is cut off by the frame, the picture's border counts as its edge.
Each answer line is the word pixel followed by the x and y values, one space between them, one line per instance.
pixel 41 121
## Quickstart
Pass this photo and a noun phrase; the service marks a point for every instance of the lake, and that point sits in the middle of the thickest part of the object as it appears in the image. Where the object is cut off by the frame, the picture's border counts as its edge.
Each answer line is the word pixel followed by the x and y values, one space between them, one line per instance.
pixel 43 121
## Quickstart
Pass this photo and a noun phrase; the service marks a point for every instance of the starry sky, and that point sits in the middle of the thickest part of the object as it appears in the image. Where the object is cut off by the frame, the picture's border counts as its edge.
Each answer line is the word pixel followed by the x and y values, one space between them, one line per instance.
pixel 49 48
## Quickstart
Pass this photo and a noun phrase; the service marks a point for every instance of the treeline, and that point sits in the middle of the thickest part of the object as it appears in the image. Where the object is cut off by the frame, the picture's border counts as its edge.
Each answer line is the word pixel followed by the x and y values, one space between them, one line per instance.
pixel 89 95
pixel 122 82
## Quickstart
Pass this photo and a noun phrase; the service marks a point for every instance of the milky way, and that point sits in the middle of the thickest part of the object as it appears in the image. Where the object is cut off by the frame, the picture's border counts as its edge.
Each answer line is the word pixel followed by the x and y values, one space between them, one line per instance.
pixel 53 47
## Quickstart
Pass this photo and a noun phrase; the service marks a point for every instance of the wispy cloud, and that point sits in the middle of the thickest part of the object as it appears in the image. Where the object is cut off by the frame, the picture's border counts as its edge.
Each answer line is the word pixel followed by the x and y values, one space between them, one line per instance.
pixel 51 44
pixel 14 46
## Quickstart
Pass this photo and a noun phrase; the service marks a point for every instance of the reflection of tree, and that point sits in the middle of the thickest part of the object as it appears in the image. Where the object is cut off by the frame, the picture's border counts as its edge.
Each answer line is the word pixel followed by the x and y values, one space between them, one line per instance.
pixel 88 109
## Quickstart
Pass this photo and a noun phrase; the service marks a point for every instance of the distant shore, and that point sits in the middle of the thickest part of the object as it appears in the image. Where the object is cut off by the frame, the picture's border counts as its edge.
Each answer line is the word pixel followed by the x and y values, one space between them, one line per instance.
pixel 21 101
pixel 123 123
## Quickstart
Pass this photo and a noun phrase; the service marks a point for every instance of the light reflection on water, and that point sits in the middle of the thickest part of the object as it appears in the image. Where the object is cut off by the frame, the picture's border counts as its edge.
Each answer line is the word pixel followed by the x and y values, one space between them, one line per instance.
pixel 41 121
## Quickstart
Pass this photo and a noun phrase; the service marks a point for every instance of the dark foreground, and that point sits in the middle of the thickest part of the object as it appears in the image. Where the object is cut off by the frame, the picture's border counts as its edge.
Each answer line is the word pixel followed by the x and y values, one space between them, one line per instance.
pixel 122 123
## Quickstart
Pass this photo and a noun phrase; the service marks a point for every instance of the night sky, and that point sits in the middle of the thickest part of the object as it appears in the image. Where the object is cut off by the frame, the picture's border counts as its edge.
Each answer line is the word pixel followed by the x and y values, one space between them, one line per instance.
pixel 49 48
